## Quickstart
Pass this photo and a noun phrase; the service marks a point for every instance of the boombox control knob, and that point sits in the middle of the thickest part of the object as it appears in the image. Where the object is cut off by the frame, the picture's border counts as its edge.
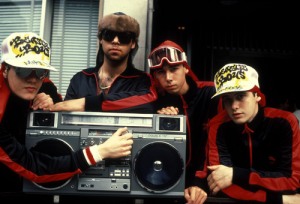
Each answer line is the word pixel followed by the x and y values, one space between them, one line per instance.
pixel 92 142
pixel 125 186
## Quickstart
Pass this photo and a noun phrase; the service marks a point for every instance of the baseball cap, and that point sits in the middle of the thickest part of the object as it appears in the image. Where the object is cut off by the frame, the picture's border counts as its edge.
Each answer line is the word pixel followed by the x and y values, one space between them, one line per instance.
pixel 26 50
pixel 235 77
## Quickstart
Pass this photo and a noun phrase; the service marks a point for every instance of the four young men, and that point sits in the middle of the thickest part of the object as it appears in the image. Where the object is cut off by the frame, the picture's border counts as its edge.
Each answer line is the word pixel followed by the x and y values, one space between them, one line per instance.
pixel 253 151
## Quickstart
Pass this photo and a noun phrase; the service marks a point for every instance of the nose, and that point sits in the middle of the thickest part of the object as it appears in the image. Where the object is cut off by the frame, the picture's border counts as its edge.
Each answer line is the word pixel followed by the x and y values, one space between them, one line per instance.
pixel 168 75
pixel 235 104
pixel 32 77
pixel 116 40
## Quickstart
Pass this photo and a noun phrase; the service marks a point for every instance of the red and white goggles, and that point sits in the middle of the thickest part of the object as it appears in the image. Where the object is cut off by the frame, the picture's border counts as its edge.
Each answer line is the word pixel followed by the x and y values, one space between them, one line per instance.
pixel 170 54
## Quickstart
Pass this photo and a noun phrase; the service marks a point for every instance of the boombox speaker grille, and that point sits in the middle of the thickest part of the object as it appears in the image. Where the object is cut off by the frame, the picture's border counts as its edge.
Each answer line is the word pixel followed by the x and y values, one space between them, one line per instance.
pixel 53 147
pixel 158 167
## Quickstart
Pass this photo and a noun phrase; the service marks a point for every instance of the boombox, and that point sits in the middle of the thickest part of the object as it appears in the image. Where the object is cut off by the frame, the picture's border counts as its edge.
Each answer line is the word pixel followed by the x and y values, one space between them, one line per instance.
pixel 155 168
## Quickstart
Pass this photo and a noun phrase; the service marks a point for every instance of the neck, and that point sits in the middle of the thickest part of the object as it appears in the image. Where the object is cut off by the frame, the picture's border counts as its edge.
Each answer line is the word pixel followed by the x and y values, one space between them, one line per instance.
pixel 107 75
pixel 184 89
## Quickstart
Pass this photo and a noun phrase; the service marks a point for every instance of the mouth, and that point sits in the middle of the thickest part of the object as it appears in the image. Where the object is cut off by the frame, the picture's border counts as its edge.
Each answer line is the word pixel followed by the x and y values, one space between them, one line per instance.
pixel 30 89
pixel 172 87
pixel 237 115
pixel 114 49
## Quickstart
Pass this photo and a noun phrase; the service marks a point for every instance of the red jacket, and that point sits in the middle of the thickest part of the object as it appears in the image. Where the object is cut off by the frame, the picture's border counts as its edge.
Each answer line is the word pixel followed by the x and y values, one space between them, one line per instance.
pixel 15 160
pixel 264 154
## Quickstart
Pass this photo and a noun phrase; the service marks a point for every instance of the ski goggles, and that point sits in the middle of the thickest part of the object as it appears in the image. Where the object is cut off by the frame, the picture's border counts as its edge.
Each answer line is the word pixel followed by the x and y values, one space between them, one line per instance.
pixel 25 72
pixel 170 54
pixel 124 37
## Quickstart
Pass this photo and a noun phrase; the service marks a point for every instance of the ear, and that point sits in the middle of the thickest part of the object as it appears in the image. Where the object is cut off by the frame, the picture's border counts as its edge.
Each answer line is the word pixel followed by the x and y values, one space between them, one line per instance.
pixel 186 70
pixel 258 98
pixel 133 45
pixel 4 71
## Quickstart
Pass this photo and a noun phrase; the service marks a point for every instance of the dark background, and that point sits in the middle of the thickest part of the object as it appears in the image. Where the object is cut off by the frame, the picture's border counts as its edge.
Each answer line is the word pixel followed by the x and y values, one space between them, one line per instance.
pixel 263 34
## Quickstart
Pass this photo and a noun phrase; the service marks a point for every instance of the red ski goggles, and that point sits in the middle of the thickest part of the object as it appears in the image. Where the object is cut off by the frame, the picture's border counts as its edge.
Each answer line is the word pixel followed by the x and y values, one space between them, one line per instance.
pixel 170 54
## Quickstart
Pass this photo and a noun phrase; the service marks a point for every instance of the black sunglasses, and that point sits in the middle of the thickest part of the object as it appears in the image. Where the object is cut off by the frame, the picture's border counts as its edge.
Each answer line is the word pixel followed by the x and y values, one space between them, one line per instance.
pixel 124 37
pixel 25 72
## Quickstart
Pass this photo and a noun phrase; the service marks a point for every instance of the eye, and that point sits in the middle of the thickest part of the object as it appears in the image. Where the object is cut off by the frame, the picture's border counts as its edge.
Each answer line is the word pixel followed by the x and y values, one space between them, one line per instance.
pixel 227 100
pixel 173 69
pixel 160 72
pixel 240 96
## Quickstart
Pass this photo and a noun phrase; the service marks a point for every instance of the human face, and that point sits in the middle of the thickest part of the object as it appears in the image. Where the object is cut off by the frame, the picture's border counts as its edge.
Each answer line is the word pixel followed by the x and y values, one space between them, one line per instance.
pixel 116 46
pixel 172 78
pixel 25 88
pixel 241 106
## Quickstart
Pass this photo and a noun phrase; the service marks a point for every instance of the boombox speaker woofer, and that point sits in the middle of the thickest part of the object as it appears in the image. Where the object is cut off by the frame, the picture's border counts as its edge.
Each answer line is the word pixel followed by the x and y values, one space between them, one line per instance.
pixel 53 147
pixel 158 167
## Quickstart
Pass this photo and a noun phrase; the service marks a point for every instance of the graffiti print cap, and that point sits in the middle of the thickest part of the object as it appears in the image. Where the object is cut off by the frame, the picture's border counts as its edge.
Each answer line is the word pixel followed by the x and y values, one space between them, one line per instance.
pixel 26 50
pixel 235 77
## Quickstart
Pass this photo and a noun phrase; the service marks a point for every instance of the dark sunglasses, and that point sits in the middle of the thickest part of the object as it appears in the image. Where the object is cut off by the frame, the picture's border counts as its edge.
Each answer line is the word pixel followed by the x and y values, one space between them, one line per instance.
pixel 25 72
pixel 124 37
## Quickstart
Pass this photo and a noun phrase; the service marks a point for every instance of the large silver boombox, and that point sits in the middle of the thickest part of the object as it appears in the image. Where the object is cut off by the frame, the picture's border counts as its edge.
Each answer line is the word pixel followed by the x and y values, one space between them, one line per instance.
pixel 155 168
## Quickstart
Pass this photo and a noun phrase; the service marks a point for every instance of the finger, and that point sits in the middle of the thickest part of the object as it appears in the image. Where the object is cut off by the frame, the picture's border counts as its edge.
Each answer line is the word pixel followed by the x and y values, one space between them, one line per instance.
pixel 202 196
pixel 215 190
pixel 213 167
pixel 120 131
pixel 209 179
pixel 173 109
pixel 187 194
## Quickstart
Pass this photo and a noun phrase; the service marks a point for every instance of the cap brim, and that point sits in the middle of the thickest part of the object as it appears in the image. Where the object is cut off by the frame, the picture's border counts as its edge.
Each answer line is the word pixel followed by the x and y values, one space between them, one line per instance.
pixel 36 65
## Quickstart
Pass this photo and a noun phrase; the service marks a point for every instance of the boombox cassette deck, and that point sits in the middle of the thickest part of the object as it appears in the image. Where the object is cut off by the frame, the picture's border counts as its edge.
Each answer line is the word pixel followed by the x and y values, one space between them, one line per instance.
pixel 155 168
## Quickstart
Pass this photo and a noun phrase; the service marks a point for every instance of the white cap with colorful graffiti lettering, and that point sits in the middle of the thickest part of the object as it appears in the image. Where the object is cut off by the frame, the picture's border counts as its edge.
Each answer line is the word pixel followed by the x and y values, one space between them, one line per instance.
pixel 235 77
pixel 26 50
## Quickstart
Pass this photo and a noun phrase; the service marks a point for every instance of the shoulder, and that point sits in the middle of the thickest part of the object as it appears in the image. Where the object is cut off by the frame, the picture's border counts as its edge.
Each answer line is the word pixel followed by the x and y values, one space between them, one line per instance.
pixel 220 118
pixel 132 71
pixel 85 73
pixel 281 114
pixel 202 84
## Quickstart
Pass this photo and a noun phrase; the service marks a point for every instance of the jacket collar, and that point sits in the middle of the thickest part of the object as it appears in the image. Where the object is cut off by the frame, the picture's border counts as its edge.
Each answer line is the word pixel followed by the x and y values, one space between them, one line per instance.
pixel 4 94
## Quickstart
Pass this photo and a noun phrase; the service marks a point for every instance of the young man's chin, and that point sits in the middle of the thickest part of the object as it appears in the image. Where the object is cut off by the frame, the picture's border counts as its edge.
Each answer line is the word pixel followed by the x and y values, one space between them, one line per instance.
pixel 28 96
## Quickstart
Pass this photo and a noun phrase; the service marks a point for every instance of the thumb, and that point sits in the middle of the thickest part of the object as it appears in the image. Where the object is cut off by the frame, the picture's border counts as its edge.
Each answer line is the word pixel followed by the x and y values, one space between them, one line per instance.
pixel 213 167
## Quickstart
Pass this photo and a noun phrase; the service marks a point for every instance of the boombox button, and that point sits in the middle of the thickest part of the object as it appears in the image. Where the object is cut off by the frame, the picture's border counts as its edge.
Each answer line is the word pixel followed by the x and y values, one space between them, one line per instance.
pixel 35 133
pixel 180 139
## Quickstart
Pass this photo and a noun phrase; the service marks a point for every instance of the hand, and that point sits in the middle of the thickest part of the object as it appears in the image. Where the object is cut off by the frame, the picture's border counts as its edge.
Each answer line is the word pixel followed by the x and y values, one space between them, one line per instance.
pixel 118 145
pixel 170 110
pixel 291 199
pixel 219 178
pixel 195 195
pixel 42 101
pixel 69 105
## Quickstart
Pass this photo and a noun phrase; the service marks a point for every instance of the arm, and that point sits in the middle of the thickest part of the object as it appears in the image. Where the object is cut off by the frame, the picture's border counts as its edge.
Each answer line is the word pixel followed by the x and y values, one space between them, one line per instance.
pixel 47 96
pixel 48 87
pixel 222 181
pixel 256 184
pixel 126 94
pixel 74 87
pixel 41 167
pixel 138 98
